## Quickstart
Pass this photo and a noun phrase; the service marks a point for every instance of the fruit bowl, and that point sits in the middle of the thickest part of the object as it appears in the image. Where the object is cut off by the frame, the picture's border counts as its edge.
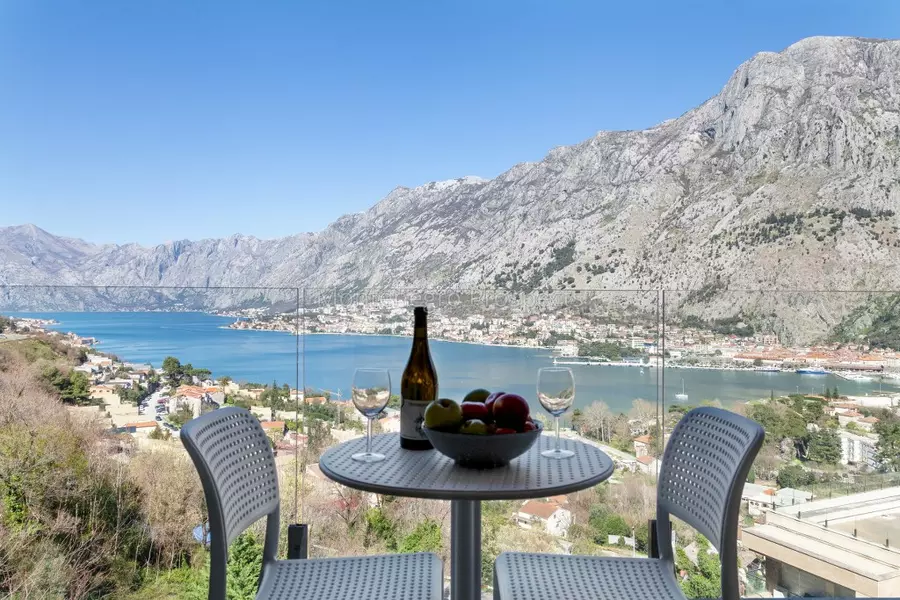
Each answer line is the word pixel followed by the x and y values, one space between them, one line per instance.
pixel 482 451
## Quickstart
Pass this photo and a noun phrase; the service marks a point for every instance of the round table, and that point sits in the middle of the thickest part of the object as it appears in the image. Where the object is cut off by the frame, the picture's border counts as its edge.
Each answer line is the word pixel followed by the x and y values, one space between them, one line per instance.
pixel 430 474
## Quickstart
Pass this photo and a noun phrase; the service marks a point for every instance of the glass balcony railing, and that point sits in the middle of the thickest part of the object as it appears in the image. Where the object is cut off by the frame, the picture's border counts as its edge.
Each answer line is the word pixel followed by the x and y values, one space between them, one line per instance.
pixel 100 499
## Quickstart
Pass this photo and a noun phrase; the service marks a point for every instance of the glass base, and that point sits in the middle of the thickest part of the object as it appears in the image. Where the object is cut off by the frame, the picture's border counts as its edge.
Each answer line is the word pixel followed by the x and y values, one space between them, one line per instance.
pixel 368 457
pixel 558 453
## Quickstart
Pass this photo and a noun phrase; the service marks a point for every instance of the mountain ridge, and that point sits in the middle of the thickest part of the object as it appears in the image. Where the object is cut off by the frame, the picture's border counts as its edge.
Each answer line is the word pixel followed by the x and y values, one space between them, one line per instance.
pixel 759 187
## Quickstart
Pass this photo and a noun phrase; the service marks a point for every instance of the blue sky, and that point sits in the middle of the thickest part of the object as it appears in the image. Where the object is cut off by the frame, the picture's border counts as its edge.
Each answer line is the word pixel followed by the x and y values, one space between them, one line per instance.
pixel 149 121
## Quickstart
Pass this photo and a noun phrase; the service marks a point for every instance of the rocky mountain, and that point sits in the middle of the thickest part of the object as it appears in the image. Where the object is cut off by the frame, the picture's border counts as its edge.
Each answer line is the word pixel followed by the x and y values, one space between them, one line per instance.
pixel 788 179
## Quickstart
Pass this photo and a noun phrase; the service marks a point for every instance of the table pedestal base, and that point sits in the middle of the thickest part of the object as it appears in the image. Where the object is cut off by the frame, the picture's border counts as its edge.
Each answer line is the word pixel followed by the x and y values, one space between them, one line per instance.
pixel 465 549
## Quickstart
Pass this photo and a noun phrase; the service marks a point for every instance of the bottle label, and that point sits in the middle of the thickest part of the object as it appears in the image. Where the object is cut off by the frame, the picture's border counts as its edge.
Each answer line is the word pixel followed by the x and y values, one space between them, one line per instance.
pixel 412 416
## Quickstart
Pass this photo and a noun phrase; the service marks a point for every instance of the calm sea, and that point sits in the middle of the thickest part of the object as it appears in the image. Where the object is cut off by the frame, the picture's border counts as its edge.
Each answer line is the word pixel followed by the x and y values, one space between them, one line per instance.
pixel 328 361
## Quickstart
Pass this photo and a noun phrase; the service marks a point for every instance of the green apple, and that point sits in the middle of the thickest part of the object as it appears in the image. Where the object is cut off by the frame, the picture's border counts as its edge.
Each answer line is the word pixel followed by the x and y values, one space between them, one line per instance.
pixel 474 427
pixel 479 395
pixel 443 414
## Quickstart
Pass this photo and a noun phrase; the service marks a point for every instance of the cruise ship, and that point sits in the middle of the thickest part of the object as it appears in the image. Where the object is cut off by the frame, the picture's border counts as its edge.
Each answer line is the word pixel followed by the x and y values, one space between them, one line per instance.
pixel 812 371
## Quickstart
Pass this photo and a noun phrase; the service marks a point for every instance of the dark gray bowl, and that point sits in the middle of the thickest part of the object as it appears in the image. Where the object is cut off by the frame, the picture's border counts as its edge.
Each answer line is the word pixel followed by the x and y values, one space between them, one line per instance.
pixel 482 451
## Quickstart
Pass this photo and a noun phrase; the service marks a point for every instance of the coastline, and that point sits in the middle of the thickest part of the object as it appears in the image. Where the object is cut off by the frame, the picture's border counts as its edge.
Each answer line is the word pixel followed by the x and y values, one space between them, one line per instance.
pixel 390 335
pixel 611 385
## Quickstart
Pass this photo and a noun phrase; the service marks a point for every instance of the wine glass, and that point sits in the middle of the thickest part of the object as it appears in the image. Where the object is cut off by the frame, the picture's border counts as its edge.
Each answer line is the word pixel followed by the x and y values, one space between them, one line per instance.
pixel 556 393
pixel 371 392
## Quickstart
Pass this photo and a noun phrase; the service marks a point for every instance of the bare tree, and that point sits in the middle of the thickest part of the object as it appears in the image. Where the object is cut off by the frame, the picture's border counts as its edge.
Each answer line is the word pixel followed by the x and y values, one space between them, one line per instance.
pixel 173 499
pixel 645 412
pixel 597 419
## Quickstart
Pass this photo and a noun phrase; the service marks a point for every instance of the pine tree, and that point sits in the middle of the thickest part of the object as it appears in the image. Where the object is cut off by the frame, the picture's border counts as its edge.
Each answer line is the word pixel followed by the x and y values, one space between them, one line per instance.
pixel 244 566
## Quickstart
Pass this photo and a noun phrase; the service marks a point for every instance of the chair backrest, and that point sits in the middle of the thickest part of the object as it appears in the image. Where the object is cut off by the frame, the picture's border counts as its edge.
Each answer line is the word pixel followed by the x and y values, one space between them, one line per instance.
pixel 233 456
pixel 703 470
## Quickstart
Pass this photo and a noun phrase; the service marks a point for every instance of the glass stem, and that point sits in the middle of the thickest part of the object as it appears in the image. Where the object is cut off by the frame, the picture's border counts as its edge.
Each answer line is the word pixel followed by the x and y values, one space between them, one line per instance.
pixel 557 433
pixel 369 435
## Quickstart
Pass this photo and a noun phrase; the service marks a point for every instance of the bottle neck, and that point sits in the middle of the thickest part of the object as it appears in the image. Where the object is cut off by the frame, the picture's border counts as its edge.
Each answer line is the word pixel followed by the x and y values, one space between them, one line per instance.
pixel 420 326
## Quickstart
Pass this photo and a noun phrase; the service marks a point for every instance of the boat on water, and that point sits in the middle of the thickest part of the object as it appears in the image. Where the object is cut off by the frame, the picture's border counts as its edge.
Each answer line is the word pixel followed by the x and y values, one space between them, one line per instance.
pixel 767 369
pixel 682 397
pixel 858 377
pixel 576 361
pixel 812 371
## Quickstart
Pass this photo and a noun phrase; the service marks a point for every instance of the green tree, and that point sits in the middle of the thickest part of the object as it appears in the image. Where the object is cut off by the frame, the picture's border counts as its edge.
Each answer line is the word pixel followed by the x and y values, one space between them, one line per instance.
pixel 6 325
pixel 888 445
pixel 824 446
pixel 426 537
pixel 201 374
pixel 604 523
pixel 813 410
pixel 494 516
pixel 704 580
pixel 74 387
pixel 172 370
pixel 380 528
pixel 794 476
pixel 778 420
pixel 181 416
pixel 79 390
pixel 244 565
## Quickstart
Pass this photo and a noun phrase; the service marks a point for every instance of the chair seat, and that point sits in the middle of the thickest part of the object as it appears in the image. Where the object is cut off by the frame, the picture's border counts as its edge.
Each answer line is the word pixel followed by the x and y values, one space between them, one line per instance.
pixel 520 576
pixel 389 577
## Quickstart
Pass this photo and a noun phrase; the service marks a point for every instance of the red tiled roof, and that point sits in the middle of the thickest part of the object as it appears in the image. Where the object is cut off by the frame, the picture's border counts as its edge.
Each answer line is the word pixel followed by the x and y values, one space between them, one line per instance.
pixel 272 424
pixel 642 439
pixel 646 460
pixel 537 508
pixel 141 424
pixel 191 391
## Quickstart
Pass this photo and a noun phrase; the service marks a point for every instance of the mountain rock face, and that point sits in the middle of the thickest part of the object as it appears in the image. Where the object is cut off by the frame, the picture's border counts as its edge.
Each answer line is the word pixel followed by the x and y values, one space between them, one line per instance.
pixel 788 179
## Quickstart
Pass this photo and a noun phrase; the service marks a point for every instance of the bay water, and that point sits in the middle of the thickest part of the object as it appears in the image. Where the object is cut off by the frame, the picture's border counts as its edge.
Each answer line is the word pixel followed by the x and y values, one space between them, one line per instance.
pixel 327 362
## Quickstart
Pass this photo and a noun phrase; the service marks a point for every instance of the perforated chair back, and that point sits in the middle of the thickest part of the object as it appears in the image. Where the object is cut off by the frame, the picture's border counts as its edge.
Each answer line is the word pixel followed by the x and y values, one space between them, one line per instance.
pixel 237 468
pixel 701 479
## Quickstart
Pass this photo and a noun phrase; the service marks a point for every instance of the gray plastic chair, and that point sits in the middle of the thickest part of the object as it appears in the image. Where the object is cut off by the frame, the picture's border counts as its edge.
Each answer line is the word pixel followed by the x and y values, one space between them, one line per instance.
pixel 702 475
pixel 237 469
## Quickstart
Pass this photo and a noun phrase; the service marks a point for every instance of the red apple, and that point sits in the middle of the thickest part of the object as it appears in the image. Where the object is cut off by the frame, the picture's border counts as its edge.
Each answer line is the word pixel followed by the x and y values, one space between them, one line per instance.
pixel 489 402
pixel 510 410
pixel 530 426
pixel 475 410
pixel 504 431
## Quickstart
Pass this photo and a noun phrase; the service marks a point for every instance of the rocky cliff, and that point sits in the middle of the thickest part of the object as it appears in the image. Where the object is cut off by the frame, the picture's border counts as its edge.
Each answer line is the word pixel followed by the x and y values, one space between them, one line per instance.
pixel 788 179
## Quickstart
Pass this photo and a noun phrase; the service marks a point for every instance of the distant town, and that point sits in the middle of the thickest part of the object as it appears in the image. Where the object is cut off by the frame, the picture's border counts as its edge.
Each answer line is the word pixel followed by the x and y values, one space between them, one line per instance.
pixel 728 345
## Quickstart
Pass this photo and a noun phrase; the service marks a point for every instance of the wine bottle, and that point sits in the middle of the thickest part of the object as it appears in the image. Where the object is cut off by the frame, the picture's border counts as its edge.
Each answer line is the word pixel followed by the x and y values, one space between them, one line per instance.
pixel 418 387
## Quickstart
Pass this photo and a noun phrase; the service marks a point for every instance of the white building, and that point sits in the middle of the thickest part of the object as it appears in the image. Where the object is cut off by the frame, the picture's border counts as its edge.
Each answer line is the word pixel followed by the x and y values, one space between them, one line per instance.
pixel 548 514
pixel 567 348
pixel 648 464
pixel 857 449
